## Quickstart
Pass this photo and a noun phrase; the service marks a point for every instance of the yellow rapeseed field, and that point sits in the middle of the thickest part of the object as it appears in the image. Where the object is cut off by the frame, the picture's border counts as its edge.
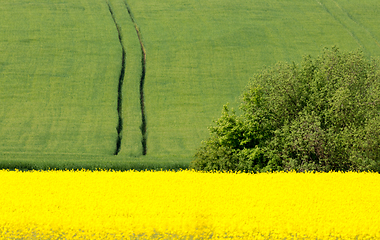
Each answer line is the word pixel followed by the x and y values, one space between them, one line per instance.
pixel 188 205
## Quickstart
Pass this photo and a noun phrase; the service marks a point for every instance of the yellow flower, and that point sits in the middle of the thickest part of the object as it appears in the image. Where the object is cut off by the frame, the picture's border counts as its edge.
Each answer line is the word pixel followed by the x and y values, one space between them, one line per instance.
pixel 188 205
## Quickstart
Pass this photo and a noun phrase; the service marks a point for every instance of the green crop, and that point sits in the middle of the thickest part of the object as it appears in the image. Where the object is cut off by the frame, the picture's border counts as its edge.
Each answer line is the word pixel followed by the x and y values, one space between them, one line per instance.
pixel 201 54
pixel 58 76
pixel 61 61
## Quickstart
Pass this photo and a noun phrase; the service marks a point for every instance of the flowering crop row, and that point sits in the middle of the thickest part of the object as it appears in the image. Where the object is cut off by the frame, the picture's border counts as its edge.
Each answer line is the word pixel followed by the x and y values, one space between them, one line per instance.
pixel 188 205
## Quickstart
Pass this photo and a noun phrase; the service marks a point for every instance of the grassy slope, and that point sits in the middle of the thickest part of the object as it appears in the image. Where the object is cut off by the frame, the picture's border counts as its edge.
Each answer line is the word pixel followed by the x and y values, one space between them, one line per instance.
pixel 59 65
pixel 59 70
pixel 201 54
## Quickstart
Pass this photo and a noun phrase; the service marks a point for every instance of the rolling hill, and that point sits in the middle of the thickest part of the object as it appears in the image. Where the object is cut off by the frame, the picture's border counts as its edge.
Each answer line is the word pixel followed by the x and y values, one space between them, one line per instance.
pixel 133 78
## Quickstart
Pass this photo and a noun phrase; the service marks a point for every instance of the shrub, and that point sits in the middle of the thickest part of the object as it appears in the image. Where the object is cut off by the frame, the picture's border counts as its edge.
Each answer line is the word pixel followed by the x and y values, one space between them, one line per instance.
pixel 321 115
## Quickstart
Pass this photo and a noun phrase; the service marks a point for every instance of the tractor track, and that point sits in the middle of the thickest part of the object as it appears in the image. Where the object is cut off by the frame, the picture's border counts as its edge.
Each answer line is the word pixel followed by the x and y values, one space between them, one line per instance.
pixel 119 127
pixel 358 23
pixel 350 27
pixel 143 126
pixel 338 20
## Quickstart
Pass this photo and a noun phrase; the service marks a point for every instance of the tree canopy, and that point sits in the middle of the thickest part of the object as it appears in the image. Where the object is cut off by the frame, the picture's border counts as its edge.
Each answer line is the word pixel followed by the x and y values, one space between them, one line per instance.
pixel 320 115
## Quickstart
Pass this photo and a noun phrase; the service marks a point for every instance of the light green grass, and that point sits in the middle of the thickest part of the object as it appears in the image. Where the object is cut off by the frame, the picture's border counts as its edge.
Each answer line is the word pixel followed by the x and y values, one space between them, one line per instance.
pixel 201 54
pixel 60 62
pixel 59 65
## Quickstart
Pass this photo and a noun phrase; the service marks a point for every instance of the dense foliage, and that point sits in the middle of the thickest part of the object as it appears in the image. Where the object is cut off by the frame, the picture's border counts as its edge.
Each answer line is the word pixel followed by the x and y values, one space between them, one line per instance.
pixel 322 115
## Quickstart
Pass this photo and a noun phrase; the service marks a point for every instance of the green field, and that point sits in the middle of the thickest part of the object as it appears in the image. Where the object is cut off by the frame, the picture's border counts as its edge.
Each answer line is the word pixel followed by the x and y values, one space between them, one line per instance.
pixel 58 72
pixel 201 54
pixel 61 61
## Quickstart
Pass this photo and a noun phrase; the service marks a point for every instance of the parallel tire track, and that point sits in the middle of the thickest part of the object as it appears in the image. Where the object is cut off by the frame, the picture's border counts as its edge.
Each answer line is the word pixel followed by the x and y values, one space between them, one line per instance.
pixel 357 22
pixel 143 126
pixel 119 127
pixel 357 30
pixel 353 35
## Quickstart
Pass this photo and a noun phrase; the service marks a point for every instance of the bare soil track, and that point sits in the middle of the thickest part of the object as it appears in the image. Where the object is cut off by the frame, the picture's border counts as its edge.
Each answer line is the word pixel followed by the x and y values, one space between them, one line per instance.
pixel 119 127
pixel 143 126
pixel 142 82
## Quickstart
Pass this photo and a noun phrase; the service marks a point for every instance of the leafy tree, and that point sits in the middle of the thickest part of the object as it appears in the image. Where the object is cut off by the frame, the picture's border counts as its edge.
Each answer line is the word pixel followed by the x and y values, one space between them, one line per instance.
pixel 321 115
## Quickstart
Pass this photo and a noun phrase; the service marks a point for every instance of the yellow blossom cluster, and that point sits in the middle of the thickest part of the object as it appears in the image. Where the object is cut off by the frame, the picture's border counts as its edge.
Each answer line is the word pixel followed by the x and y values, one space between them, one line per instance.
pixel 188 205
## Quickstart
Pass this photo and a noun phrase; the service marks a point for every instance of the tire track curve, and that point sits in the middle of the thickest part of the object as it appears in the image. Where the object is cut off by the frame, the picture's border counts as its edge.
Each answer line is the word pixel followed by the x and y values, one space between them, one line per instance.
pixel 119 127
pixel 353 35
pixel 358 23
pixel 143 126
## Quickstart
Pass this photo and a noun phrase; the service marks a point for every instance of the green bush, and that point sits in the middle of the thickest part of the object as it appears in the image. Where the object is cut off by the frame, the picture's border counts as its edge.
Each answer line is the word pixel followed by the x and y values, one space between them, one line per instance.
pixel 321 115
